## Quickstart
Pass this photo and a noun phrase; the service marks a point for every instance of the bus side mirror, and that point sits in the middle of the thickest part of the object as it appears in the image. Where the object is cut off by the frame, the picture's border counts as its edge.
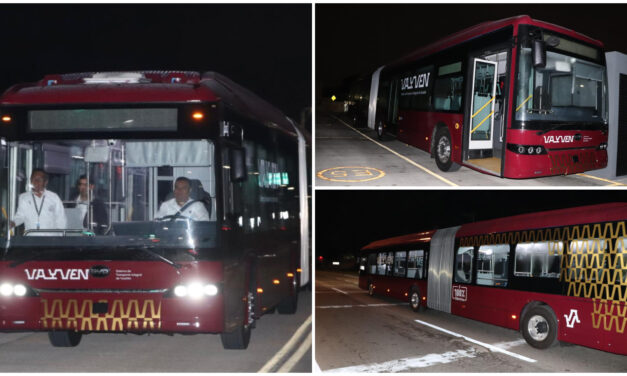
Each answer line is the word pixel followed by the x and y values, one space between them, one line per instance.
pixel 539 54
pixel 238 164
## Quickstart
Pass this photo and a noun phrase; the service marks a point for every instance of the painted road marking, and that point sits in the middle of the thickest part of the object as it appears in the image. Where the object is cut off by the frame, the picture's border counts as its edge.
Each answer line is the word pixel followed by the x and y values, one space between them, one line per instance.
pixel 346 291
pixel 297 356
pixel 406 364
pixel 351 174
pixel 612 182
pixel 400 155
pixel 483 344
pixel 340 291
pixel 507 345
pixel 359 305
pixel 287 347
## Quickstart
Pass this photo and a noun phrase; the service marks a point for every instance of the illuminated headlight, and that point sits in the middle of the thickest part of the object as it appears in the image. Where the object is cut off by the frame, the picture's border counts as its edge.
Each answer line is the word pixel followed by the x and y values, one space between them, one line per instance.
pixel 195 290
pixel 7 289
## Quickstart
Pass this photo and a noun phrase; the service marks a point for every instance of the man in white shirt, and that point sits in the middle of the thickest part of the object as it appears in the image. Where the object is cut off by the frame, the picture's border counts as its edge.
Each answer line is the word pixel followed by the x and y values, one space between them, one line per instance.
pixel 181 203
pixel 39 209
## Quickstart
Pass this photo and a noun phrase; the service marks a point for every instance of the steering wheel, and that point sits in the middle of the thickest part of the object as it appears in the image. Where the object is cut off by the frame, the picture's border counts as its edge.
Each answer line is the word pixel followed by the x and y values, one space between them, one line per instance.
pixel 173 217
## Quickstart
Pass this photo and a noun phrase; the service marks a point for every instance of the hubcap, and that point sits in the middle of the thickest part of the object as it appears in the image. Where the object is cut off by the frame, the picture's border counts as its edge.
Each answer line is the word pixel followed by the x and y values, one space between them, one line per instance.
pixel 444 149
pixel 251 309
pixel 538 328
pixel 415 300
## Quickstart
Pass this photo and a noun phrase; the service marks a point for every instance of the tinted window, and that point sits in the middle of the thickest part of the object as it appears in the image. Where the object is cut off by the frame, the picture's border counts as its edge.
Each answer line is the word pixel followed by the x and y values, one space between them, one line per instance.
pixel 492 262
pixel 463 265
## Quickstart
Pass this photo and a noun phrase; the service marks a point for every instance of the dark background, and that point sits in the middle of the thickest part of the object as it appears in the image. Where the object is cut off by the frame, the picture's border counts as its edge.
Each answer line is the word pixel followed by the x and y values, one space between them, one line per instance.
pixel 265 48
pixel 348 220
pixel 353 40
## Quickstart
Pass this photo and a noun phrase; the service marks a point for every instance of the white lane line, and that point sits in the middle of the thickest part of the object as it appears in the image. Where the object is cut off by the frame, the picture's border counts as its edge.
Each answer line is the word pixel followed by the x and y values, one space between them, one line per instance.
pixel 507 345
pixel 346 291
pixel 359 305
pixel 401 156
pixel 340 291
pixel 405 364
pixel 488 346
pixel 297 356
pixel 286 348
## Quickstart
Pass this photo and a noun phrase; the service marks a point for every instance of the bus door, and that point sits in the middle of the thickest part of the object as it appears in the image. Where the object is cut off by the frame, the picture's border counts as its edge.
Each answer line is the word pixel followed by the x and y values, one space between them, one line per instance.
pixel 482 106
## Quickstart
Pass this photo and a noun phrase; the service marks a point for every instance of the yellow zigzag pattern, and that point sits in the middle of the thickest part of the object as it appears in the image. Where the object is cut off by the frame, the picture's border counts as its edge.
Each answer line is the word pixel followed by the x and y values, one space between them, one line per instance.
pixel 56 316
pixel 597 256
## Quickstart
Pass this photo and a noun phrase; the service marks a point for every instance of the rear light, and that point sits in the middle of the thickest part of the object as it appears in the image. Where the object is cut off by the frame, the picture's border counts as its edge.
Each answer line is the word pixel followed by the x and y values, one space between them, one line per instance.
pixel 527 149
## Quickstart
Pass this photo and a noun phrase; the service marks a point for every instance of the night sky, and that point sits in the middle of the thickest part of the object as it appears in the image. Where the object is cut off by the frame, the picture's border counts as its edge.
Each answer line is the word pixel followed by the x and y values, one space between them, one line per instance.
pixel 266 48
pixel 348 220
pixel 356 39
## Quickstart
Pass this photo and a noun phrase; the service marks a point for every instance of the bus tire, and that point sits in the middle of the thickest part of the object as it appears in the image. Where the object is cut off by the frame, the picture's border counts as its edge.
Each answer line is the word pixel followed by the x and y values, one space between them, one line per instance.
pixel 414 300
pixel 370 289
pixel 539 327
pixel 443 151
pixel 289 304
pixel 239 338
pixel 380 130
pixel 65 338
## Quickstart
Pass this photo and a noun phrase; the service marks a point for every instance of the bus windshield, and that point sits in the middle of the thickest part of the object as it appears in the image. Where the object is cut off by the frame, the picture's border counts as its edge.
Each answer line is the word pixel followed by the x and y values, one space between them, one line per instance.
pixel 567 89
pixel 107 199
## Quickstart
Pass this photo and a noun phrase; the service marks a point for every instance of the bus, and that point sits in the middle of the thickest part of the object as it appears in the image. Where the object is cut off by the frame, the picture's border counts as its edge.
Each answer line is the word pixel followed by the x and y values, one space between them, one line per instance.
pixel 514 98
pixel 132 134
pixel 558 275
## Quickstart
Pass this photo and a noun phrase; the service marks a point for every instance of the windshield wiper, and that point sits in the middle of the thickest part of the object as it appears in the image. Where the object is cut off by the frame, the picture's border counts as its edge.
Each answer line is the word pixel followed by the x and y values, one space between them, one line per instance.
pixel 148 250
pixel 552 128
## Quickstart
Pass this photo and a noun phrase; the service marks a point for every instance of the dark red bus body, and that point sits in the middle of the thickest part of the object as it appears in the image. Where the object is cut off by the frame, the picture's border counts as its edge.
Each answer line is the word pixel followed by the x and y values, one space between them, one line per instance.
pixel 591 314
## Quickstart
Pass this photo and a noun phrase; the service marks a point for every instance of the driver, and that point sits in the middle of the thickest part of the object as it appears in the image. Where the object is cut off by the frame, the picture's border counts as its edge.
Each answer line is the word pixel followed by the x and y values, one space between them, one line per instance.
pixel 182 205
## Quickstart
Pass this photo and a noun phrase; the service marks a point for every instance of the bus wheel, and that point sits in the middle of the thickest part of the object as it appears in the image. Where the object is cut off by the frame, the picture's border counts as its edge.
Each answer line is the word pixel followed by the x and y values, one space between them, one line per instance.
pixel 239 338
pixel 444 151
pixel 370 289
pixel 539 327
pixel 380 130
pixel 290 303
pixel 414 301
pixel 65 338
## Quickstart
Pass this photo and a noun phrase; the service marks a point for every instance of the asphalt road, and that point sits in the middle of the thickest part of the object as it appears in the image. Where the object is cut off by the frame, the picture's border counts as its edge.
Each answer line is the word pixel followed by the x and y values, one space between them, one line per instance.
pixel 31 352
pixel 347 156
pixel 359 333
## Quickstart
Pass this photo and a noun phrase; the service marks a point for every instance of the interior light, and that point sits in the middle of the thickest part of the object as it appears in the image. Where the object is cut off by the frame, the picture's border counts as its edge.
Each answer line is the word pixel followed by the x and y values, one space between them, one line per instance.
pixel 198 115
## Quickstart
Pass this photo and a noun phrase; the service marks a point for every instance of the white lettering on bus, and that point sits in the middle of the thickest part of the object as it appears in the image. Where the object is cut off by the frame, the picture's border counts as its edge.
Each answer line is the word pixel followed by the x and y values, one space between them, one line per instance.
pixel 55 274
pixel 572 318
pixel 558 139
pixel 415 82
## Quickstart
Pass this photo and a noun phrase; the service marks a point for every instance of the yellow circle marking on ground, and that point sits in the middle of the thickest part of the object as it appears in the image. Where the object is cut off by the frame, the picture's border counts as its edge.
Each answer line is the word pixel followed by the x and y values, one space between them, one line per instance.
pixel 351 174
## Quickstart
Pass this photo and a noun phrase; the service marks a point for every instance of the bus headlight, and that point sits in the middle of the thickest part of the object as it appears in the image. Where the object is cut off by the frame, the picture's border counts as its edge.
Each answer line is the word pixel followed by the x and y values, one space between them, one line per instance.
pixel 196 290
pixel 527 149
pixel 8 289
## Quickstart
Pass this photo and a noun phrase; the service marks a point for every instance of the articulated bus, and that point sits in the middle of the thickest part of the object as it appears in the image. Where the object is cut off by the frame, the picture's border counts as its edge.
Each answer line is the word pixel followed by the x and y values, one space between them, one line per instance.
pixel 515 98
pixel 132 134
pixel 559 275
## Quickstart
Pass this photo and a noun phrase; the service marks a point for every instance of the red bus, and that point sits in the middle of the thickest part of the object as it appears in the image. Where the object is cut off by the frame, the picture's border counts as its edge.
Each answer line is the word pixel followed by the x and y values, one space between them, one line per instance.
pixel 555 275
pixel 515 98
pixel 132 134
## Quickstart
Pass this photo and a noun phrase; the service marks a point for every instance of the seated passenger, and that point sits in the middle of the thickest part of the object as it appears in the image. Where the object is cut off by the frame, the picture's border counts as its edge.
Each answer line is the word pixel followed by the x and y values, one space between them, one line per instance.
pixel 181 205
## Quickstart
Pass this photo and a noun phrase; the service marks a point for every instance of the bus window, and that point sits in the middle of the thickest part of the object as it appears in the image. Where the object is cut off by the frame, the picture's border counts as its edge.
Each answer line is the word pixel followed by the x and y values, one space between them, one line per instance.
pixel 415 264
pixel 541 259
pixel 492 262
pixel 582 258
pixel 400 259
pixel 389 263
pixel 463 265
pixel 381 263
pixel 621 264
pixel 372 263
pixel 447 92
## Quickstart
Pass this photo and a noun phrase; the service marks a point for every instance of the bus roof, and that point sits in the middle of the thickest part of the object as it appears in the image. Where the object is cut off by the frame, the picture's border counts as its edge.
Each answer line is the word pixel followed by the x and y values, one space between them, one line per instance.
pixel 487 27
pixel 146 87
pixel 546 219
